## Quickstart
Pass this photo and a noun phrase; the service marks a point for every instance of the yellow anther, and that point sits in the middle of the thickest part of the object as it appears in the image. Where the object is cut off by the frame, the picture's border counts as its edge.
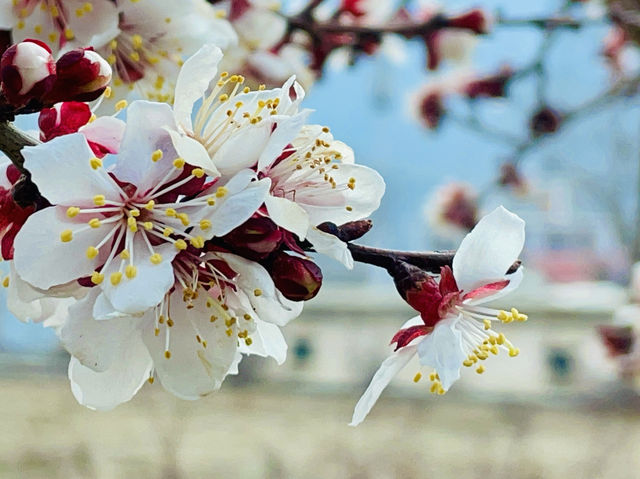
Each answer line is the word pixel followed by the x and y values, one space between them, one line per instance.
pixel 170 212
pixel 121 105
pixel 135 56
pixel 247 317
pixel 513 352
pixel 170 322
pixel 156 156
pixel 257 292
pixel 131 271
pixel 434 388
pixel 134 212
pixel 211 201
pixel 487 324
pixel 5 282
pixel 107 92
pixel 522 317
pixel 248 341
pixel 92 118
pixel 180 245
pixel 161 319
pixel 482 355
pixel 97 278
pixel 73 211
pixel 492 340
pixel 205 224
pixel 432 377
pixel 92 252
pixel 325 129
pixel 224 97
pixel 500 339
pixel 467 362
pixel 87 7
pixel 54 11
pixel 156 258
pixel 515 313
pixel 213 319
pixel 137 41
pixel 68 33
pixel 150 205
pixel 156 331
pixel 115 278
pixel 148 225
pixel 132 223
pixel 229 332
pixel 124 254
pixel 184 218
pixel 94 223
pixel 178 163
pixel 167 354
pixel 197 242
pixel 417 377
pixel 230 322
pixel 66 236
pixel 95 163
pixel 197 172
pixel 348 208
pixel 494 350
pixel 99 200
pixel 167 231
pixel 480 369
pixel 221 191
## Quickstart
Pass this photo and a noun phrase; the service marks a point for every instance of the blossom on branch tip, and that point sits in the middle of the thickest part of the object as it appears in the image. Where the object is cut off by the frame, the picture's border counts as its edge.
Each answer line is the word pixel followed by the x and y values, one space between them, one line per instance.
pixel 454 330
pixel 81 75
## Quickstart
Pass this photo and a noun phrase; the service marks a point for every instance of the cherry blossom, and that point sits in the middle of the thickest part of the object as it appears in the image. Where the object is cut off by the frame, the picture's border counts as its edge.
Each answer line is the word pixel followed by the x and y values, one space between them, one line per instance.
pixel 454 330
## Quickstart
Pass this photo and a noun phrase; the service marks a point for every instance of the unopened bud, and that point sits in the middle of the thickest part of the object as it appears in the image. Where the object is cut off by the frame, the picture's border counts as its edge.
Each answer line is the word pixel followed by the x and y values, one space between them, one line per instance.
pixel 298 279
pixel 27 71
pixel 82 75
pixel 476 20
pixel 546 120
pixel 419 289
pixel 492 86
pixel 430 108
pixel 255 239
pixel 619 340
pixel 63 119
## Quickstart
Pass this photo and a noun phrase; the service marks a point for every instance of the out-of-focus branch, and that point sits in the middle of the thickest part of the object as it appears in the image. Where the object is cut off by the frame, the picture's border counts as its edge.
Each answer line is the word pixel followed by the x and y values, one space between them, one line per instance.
pixel 12 141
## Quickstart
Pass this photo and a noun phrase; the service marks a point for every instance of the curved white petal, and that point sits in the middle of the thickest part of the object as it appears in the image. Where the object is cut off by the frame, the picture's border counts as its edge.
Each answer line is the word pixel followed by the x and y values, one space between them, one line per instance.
pixel 243 148
pixel 442 350
pixel 194 153
pixel 288 215
pixel 151 282
pixel 145 133
pixel 270 305
pixel 487 252
pixel 119 383
pixel 192 371
pixel 286 130
pixel 87 29
pixel 96 344
pixel 381 379
pixel 43 260
pixel 268 341
pixel 194 78
pixel 330 245
pixel 105 131
pixel 62 170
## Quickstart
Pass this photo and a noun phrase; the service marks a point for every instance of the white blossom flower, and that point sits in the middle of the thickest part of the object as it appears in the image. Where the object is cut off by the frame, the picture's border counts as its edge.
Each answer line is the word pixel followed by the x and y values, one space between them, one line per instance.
pixel 222 305
pixel 60 23
pixel 147 46
pixel 455 330
pixel 125 225
pixel 313 178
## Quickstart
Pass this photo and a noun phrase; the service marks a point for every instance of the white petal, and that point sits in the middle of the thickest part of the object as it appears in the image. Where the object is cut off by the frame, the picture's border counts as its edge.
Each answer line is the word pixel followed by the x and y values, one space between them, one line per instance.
pixel 330 245
pixel 151 282
pixel 105 131
pixel 487 252
pixel 442 350
pixel 287 128
pixel 268 341
pixel 58 262
pixel 96 344
pixel 118 384
pixel 7 16
pixel 194 153
pixel 243 148
pixel 270 305
pixel 146 133
pixel 288 215
pixel 381 379
pixel 61 168
pixel 194 78
pixel 87 29
pixel 192 371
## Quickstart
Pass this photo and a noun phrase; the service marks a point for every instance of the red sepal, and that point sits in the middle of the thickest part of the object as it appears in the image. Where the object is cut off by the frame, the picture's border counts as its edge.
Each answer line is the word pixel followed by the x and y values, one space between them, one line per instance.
pixel 405 336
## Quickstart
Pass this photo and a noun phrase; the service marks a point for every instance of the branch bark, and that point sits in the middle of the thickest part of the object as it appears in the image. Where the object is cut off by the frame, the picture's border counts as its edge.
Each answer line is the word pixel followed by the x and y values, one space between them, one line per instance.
pixel 12 141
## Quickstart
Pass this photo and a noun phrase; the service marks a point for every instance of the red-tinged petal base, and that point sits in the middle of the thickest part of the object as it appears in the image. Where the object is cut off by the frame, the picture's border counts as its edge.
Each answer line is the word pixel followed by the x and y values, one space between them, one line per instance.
pixel 12 217
pixel 405 336
pixel 486 290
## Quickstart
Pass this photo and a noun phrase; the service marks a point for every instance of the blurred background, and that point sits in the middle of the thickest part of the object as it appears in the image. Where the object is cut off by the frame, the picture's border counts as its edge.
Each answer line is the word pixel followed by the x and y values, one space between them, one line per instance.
pixel 561 409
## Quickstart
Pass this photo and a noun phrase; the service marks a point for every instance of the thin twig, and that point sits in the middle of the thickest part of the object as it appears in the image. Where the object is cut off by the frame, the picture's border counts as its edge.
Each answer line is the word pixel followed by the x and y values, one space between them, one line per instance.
pixel 12 141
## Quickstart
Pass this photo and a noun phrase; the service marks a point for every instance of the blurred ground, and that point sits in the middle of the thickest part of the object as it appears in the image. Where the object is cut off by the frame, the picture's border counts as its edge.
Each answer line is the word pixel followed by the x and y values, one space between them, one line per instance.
pixel 252 433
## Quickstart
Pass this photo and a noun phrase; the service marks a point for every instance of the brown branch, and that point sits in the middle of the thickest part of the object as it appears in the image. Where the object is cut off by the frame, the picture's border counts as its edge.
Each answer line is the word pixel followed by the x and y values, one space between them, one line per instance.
pixel 12 141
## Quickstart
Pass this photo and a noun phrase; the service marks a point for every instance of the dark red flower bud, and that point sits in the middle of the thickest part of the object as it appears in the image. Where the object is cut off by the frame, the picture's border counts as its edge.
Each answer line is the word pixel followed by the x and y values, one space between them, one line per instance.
pixel 492 86
pixel 354 7
pixel 27 71
pixel 619 340
pixel 546 120
pixel 475 20
pixel 256 239
pixel 63 119
pixel 430 108
pixel 298 279
pixel 82 75
pixel 511 177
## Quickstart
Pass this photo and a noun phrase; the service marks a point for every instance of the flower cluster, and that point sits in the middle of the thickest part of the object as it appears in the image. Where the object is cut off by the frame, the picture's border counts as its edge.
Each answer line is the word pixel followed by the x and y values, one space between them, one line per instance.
pixel 176 244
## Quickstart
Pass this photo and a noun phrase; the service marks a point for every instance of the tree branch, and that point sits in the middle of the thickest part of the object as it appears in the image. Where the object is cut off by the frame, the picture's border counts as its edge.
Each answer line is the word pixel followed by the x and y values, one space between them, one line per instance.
pixel 12 141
